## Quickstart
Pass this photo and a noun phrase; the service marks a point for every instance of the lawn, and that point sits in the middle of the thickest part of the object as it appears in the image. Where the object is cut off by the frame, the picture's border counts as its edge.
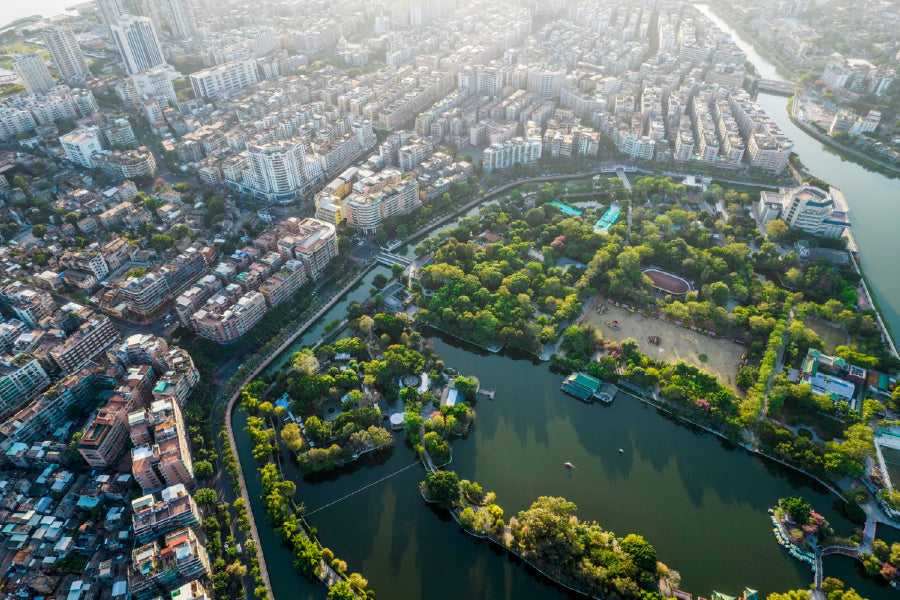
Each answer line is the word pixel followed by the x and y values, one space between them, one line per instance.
pixel 831 336
pixel 719 357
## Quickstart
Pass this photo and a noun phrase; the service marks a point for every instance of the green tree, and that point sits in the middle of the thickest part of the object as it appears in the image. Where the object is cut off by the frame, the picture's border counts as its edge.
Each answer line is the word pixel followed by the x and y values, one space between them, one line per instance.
pixel 39 231
pixel 161 242
pixel 290 435
pixel 797 508
pixel 778 230
pixel 205 497
pixel 644 554
pixel 203 469
pixel 341 590
pixel 443 488
pixel 467 386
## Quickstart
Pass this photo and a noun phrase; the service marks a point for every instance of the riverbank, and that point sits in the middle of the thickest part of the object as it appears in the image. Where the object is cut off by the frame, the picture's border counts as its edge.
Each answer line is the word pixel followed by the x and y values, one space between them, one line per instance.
pixel 779 66
pixel 643 396
pixel 842 150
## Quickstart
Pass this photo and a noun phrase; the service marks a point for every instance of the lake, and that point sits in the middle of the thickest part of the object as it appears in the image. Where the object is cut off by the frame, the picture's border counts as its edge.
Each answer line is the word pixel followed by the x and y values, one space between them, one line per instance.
pixel 699 500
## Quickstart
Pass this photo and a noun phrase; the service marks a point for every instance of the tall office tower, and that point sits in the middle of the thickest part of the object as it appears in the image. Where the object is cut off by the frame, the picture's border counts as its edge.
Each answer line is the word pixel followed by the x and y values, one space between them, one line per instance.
pixel 31 68
pixel 109 12
pixel 136 40
pixel 66 54
pixel 181 18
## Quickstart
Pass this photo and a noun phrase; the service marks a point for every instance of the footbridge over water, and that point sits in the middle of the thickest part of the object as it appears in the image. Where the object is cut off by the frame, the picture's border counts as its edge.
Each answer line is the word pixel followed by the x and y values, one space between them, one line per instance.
pixel 388 259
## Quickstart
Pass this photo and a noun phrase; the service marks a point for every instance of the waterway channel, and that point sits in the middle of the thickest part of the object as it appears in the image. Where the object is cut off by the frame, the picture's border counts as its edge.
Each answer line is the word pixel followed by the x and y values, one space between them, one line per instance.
pixel 874 198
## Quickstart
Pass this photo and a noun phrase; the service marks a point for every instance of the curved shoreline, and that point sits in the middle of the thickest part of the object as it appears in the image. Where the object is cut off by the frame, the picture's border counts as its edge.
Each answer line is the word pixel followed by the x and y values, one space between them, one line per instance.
pixel 634 393
pixel 844 151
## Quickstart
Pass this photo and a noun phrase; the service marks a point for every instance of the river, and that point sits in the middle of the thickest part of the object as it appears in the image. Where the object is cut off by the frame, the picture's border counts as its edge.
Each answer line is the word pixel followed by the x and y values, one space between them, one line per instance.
pixel 873 197
pixel 10 11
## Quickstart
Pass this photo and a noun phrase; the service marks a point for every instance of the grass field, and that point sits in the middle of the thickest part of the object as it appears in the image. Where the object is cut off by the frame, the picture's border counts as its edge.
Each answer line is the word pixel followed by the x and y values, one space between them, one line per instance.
pixel 722 357
pixel 832 337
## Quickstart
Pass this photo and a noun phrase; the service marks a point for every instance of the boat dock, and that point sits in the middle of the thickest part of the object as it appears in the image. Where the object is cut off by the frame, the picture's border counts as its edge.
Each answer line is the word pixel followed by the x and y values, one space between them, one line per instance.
pixel 607 393
pixel 488 393
pixel 587 388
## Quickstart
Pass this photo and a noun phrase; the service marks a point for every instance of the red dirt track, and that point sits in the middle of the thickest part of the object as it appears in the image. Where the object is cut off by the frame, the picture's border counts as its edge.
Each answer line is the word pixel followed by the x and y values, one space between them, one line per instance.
pixel 668 283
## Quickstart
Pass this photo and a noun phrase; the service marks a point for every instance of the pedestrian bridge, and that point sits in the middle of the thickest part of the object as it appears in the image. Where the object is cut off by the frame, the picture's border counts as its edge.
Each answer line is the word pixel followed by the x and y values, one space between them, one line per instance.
pixel 388 259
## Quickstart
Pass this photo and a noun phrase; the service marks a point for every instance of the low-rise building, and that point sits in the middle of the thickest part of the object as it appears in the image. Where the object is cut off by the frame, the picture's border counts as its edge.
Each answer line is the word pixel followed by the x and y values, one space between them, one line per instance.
pixel 807 208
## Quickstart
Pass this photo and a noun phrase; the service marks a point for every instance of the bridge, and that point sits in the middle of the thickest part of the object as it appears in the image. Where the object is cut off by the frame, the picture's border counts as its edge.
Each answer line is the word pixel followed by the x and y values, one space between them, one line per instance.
pixel 388 259
pixel 776 87
pixel 620 173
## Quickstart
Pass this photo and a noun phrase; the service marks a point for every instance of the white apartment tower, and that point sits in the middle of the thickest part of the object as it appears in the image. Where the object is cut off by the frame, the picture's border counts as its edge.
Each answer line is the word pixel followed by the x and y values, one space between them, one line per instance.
pixel 66 54
pixel 278 169
pixel 80 145
pixel 223 80
pixel 30 67
pixel 181 17
pixel 136 40
pixel 109 12
pixel 548 83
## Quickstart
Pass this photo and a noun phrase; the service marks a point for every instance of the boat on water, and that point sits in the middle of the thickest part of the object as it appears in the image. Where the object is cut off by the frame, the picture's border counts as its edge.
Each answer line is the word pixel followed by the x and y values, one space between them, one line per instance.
pixel 568 465
pixel 621 451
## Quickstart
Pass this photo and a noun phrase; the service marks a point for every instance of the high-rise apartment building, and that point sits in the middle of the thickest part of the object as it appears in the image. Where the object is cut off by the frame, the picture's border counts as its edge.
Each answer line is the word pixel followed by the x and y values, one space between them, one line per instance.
pixel 161 454
pixel 280 168
pixel 92 338
pixel 135 37
pixel 156 570
pixel 181 17
pixel 156 515
pixel 314 243
pixel 30 67
pixel 156 82
pixel 548 83
pixel 66 53
pixel 109 12
pixel 104 439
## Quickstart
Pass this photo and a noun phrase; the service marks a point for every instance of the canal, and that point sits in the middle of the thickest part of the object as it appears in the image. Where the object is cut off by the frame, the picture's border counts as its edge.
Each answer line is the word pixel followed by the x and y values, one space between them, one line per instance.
pixel 873 197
